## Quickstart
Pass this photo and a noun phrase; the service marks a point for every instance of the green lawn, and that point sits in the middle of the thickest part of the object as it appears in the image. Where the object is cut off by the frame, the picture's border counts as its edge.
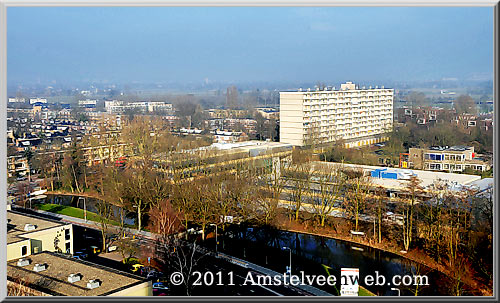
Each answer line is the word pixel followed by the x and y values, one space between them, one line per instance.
pixel 72 212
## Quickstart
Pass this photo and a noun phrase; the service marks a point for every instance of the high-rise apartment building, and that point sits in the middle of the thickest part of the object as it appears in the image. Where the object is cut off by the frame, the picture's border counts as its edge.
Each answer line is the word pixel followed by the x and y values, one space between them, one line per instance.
pixel 357 116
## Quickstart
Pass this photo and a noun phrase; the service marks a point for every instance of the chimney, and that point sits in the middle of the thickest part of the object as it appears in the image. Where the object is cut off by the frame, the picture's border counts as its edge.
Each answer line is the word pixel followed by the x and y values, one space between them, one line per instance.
pixel 29 227
pixel 23 262
pixel 40 267
pixel 94 283
pixel 72 278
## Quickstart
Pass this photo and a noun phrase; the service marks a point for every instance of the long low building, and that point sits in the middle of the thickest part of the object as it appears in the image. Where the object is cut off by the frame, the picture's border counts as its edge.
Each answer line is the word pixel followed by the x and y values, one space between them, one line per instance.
pixel 397 179
pixel 53 274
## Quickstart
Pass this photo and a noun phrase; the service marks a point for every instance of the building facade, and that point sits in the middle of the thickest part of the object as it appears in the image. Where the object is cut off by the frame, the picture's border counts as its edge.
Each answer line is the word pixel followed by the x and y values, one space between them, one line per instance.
pixel 28 235
pixel 116 107
pixel 451 159
pixel 356 116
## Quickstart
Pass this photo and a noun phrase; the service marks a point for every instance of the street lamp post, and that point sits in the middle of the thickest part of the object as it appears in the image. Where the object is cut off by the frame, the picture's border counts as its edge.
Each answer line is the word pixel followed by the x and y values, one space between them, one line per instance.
pixel 84 208
pixel 290 266
pixel 216 242
pixel 397 289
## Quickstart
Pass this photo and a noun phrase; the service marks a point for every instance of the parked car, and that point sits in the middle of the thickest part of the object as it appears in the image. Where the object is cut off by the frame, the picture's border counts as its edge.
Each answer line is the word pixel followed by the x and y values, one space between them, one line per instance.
pixel 160 285
pixel 112 248
pixel 80 255
pixel 160 289
pixel 136 267
pixel 95 250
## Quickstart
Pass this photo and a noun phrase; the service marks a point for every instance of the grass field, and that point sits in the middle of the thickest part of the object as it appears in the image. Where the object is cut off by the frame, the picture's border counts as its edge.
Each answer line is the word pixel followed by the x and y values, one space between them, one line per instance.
pixel 72 212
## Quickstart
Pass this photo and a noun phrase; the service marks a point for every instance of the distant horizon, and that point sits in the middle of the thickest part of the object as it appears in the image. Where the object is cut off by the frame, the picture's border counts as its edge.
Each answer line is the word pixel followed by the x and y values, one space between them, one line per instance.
pixel 192 45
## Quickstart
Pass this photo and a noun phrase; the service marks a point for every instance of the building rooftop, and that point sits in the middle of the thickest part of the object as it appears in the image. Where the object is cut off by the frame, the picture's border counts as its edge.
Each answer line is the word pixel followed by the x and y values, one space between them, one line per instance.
pixel 427 177
pixel 54 279
pixel 483 184
pixel 247 145
pixel 17 221
pixel 348 86
pixel 451 148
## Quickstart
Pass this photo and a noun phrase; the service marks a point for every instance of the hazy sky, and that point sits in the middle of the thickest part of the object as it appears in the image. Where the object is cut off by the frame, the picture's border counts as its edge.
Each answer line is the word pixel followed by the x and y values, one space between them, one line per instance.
pixel 248 44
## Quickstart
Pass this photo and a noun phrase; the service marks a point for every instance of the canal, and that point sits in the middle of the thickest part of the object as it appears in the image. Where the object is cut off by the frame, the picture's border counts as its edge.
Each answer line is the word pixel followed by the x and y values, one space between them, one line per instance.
pixel 311 254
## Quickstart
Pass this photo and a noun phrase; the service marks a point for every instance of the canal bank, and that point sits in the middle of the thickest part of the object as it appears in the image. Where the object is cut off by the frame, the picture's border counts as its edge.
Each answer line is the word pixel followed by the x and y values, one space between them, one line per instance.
pixel 415 257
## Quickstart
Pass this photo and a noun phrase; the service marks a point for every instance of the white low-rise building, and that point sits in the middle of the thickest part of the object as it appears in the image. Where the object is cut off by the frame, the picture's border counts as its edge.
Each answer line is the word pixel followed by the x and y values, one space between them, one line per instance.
pixel 38 100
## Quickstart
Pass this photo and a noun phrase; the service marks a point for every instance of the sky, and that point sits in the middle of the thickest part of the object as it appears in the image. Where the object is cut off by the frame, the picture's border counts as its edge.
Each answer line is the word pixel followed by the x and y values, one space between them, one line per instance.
pixel 190 44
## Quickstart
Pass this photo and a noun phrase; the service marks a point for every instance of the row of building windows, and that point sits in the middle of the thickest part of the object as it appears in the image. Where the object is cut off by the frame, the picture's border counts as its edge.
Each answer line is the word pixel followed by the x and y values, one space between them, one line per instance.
pixel 453 167
pixel 445 157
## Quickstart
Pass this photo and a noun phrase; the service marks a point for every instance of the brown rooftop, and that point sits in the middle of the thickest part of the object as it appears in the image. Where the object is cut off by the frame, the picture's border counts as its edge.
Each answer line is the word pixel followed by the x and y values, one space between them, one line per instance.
pixel 54 280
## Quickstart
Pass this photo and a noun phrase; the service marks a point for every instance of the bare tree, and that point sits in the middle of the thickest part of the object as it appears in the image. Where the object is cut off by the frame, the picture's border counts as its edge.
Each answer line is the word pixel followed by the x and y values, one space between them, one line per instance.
pixel 115 192
pixel 127 247
pixel 330 184
pixel 183 257
pixel 432 219
pixel 299 177
pixel 271 187
pixel 358 187
pixel 204 209
pixel 378 208
pixel 135 187
pixel 417 99
pixel 105 212
pixel 465 104
pixel 413 189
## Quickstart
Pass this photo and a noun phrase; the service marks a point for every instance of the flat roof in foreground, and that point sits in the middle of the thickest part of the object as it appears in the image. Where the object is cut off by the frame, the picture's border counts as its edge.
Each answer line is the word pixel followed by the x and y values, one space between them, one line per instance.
pixel 16 222
pixel 54 280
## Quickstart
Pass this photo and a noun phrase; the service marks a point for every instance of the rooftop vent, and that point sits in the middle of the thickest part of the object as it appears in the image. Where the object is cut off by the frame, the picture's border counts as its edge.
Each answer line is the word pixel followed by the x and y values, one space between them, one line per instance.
pixel 29 227
pixel 72 278
pixel 94 283
pixel 23 262
pixel 364 87
pixel 370 87
pixel 300 89
pixel 40 267
pixel 382 86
